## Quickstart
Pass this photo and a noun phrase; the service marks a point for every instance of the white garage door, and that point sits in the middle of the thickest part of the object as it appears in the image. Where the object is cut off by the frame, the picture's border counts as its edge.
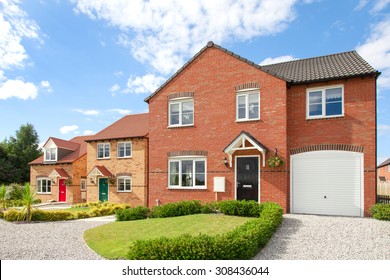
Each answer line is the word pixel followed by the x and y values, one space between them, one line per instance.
pixel 327 183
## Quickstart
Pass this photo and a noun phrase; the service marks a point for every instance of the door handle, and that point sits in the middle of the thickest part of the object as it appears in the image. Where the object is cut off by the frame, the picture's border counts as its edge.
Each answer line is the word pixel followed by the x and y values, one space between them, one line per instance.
pixel 324 196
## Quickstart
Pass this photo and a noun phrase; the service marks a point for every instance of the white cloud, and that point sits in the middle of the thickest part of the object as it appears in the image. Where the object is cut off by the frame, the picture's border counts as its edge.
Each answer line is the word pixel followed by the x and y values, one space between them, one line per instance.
pixel 68 128
pixel 14 26
pixel 145 84
pixel 46 85
pixel 379 6
pixel 87 112
pixel 376 50
pixel 361 5
pixel 383 130
pixel 119 111
pixel 168 32
pixel 284 58
pixel 115 88
pixel 88 132
pixel 18 89
pixel 118 74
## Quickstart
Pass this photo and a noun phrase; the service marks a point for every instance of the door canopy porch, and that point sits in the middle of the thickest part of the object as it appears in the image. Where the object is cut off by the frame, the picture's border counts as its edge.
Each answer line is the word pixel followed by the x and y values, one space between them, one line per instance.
pixel 58 173
pixel 100 171
pixel 244 141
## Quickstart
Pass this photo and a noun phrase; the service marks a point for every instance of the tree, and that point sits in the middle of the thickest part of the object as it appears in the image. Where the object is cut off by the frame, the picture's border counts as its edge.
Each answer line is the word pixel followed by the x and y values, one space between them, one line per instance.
pixel 28 198
pixel 6 168
pixel 20 150
pixel 3 196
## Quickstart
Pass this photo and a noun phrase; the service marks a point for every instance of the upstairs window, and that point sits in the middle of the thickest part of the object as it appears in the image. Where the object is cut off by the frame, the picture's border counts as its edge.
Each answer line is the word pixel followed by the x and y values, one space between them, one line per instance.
pixel 103 150
pixel 181 112
pixel 124 149
pixel 83 184
pixel 325 102
pixel 248 105
pixel 51 154
pixel 187 173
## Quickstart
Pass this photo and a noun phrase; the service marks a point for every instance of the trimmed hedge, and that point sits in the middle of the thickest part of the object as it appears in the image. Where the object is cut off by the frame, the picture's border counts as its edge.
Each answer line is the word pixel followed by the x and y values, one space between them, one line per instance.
pixel 175 209
pixel 137 213
pixel 381 211
pixel 39 215
pixel 243 208
pixel 240 243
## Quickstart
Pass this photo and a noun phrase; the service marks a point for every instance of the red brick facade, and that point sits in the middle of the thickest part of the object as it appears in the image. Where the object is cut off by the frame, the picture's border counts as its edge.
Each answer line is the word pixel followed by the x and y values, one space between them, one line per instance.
pixel 212 78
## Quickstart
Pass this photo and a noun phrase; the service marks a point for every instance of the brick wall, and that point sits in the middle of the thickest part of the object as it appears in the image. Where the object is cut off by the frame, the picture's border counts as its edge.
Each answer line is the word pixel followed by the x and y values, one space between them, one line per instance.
pixel 75 171
pixel 356 128
pixel 384 171
pixel 136 166
pixel 213 78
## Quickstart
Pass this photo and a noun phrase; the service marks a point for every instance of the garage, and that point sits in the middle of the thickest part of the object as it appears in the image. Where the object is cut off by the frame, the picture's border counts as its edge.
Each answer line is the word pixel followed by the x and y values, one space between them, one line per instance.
pixel 327 183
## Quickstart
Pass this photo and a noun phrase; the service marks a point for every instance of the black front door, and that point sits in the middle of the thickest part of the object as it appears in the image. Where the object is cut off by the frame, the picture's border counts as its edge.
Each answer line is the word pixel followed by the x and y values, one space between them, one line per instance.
pixel 247 178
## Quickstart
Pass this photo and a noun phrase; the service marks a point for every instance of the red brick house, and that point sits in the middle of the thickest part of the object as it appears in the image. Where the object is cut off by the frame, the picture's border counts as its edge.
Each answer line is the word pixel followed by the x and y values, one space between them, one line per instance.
pixel 384 171
pixel 216 123
pixel 60 173
pixel 117 162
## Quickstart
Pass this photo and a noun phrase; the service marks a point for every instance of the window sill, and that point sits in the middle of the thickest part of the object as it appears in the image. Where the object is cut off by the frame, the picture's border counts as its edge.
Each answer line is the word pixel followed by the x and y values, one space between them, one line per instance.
pixel 103 158
pixel 247 120
pixel 124 157
pixel 187 188
pixel 324 118
pixel 43 193
pixel 180 126
pixel 123 191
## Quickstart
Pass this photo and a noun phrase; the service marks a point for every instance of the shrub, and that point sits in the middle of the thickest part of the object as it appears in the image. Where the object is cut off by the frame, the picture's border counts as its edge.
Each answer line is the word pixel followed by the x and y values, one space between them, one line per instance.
pixel 240 243
pixel 15 191
pixel 1 214
pixel 137 213
pixel 82 215
pixel 245 208
pixel 180 208
pixel 12 215
pixel 381 211
pixel 51 216
pixel 210 207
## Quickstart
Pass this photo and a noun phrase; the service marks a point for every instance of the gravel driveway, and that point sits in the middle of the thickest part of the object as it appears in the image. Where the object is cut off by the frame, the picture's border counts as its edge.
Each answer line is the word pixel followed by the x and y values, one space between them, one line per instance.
pixel 299 237
pixel 48 241
pixel 309 237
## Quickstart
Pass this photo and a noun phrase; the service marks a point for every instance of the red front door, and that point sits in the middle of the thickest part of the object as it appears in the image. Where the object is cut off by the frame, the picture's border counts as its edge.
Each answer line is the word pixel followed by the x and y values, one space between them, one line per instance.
pixel 62 190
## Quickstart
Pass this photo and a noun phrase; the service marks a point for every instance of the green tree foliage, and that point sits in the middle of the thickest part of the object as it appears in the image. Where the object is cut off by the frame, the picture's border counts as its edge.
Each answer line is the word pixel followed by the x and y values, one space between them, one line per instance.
pixel 16 153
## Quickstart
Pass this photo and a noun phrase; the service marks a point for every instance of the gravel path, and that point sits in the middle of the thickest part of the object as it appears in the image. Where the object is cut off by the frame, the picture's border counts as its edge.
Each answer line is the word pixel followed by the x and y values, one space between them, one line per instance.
pixel 48 241
pixel 308 237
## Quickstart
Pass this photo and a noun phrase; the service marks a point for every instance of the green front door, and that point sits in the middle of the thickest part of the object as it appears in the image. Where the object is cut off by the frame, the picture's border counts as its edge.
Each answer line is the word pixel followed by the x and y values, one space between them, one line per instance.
pixel 103 189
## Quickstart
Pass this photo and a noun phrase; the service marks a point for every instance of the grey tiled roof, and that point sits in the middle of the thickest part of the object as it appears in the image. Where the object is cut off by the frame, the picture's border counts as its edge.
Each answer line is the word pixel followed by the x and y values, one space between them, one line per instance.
pixel 322 68
pixel 386 162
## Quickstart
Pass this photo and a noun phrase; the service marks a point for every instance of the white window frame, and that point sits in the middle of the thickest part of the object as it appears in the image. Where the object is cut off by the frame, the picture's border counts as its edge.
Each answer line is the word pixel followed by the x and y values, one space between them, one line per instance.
pixel 124 143
pixel 51 153
pixel 125 178
pixel 246 93
pixel 180 159
pixel 180 101
pixel 39 186
pixel 109 150
pixel 323 90
pixel 83 184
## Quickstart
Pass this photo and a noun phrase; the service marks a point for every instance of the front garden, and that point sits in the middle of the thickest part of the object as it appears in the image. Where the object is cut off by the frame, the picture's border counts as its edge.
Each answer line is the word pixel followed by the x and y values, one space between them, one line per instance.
pixel 187 230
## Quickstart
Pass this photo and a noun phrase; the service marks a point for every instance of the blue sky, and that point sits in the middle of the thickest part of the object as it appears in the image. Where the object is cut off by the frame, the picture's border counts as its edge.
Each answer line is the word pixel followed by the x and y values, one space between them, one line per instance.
pixel 73 67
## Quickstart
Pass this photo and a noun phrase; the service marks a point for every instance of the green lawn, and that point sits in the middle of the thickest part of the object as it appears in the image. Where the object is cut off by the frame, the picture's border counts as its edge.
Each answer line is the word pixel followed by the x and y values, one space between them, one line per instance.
pixel 112 240
pixel 72 209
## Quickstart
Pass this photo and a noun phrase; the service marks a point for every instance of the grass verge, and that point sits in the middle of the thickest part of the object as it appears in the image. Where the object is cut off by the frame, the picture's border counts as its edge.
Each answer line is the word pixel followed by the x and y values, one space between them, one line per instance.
pixel 112 241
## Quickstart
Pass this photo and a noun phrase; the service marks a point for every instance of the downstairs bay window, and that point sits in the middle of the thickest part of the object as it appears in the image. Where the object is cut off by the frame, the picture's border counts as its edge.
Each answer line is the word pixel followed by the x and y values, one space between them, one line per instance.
pixel 187 173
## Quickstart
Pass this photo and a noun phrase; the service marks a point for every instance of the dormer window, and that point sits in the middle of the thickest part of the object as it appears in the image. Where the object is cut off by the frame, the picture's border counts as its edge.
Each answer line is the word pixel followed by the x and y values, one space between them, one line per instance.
pixel 50 154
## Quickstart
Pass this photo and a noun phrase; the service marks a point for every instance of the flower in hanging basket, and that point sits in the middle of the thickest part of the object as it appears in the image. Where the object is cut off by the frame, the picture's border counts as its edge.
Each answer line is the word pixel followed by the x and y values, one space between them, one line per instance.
pixel 274 161
pixel 111 180
pixel 68 182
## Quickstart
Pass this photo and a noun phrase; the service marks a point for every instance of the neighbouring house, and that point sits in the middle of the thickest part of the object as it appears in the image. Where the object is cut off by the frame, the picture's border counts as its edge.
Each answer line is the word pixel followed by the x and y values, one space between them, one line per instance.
pixel 219 126
pixel 117 162
pixel 384 171
pixel 60 173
